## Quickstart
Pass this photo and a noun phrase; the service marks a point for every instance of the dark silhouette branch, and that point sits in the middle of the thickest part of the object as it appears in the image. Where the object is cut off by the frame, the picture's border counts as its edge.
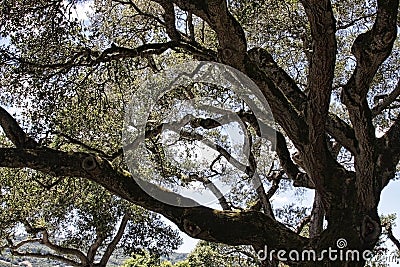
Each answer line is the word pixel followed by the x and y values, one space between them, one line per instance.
pixel 286 115
pixel 214 189
pixel 300 179
pixel 169 18
pixel 276 179
pixel 14 132
pixel 63 250
pixel 113 244
pixel 389 233
pixel 389 153
pixel 190 26
pixel 44 240
pixel 231 37
pixel 387 101
pixel 13 246
pixel 91 58
pixel 91 254
pixel 256 179
pixel 353 22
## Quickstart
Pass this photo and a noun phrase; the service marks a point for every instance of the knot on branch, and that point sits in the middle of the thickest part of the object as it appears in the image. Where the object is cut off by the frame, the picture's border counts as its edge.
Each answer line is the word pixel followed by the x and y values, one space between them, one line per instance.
pixel 190 228
pixel 226 54
pixel 370 230
pixel 89 163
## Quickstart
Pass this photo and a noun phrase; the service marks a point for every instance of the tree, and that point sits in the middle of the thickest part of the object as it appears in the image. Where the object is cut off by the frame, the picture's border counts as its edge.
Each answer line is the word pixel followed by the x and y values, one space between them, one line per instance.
pixel 326 68
pixel 75 223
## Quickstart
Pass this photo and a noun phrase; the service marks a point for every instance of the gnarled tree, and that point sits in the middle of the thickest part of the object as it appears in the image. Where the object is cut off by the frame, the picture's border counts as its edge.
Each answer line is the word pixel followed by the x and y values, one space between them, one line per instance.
pixel 328 70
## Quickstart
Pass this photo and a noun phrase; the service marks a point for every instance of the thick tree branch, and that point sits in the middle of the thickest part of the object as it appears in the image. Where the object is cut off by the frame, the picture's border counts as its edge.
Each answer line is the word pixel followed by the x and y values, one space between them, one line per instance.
pixel 299 178
pixel 388 153
pixel 234 228
pixel 169 18
pixel 230 34
pixel 317 216
pixel 294 124
pixel 340 130
pixel 190 26
pixel 199 8
pixel 284 112
pixel 45 241
pixel 320 79
pixel 370 49
pixel 63 250
pixel 13 246
pixel 89 57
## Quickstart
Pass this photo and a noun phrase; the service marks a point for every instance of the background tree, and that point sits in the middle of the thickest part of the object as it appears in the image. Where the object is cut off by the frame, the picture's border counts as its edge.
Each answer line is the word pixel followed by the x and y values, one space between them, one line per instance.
pixel 328 70
pixel 78 224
